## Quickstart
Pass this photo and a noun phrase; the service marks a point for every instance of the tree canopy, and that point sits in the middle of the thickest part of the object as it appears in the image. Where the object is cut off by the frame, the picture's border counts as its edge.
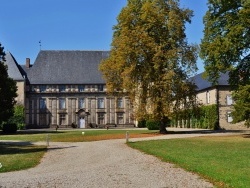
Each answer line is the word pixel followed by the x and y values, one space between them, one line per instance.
pixel 226 47
pixel 150 58
pixel 226 42
pixel 7 90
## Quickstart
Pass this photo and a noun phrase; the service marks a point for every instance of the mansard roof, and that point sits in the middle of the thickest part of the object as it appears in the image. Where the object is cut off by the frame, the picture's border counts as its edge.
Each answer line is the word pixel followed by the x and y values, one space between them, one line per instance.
pixel 13 68
pixel 67 67
pixel 203 83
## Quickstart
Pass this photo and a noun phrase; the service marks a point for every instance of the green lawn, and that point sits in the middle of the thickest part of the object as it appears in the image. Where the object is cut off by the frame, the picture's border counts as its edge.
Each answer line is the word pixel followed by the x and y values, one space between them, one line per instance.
pixel 225 161
pixel 18 157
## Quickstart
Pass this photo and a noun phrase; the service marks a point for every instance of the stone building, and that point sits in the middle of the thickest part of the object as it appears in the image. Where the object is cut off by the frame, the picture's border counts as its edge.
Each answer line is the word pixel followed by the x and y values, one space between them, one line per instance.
pixel 66 88
pixel 219 94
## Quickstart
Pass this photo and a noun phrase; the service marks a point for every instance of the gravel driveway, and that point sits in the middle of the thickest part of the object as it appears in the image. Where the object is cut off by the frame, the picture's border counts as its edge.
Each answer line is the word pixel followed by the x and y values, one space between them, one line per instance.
pixel 108 163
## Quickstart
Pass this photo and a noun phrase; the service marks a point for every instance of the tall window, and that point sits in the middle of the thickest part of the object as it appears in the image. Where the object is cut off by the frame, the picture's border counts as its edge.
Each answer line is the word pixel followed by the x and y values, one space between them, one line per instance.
pixel 120 119
pixel 42 88
pixel 81 88
pixel 100 103
pixel 229 100
pixel 207 97
pixel 62 88
pixel 62 103
pixel 62 119
pixel 81 103
pixel 101 118
pixel 42 104
pixel 119 103
pixel 229 117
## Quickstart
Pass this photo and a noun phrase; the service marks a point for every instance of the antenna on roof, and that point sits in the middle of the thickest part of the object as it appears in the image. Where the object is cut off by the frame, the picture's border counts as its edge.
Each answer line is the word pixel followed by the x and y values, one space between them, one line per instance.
pixel 40 44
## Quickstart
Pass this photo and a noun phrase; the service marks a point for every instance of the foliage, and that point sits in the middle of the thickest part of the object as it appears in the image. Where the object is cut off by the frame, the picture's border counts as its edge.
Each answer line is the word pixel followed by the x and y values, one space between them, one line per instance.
pixel 142 123
pixel 223 160
pixel 152 125
pixel 150 58
pixel 19 117
pixel 9 128
pixel 7 90
pixel 225 46
pixel 204 117
pixel 242 106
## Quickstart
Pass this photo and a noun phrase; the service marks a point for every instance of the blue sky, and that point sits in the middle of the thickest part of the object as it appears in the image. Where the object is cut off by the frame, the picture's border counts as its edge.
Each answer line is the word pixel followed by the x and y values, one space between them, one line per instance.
pixel 71 25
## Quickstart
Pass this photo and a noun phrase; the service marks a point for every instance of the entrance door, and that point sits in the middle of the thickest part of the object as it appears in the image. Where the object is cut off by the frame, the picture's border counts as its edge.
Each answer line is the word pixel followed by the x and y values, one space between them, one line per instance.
pixel 82 123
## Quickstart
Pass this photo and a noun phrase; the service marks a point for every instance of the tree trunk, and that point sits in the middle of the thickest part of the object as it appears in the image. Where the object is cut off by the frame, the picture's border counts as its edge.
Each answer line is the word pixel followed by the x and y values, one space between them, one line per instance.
pixel 163 129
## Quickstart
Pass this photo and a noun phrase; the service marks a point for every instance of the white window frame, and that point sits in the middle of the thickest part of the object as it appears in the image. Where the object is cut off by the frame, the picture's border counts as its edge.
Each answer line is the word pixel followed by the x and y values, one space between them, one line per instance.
pixel 81 103
pixel 100 103
pixel 62 103
pixel 229 100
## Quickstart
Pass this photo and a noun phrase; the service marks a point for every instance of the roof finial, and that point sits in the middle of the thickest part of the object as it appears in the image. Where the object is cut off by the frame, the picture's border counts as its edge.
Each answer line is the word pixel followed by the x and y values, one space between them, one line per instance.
pixel 40 44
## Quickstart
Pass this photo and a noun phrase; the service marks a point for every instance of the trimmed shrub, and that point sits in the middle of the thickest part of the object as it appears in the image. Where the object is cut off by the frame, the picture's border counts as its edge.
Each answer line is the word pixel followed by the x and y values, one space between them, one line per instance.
pixel 153 125
pixel 142 123
pixel 9 128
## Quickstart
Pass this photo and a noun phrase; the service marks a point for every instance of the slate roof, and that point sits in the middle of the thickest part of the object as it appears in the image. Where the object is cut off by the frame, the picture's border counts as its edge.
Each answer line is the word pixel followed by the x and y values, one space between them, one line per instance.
pixel 66 67
pixel 13 68
pixel 203 84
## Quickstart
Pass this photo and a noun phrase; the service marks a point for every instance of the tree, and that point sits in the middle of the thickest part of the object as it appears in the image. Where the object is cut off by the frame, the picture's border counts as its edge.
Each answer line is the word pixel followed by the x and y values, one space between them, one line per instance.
pixel 150 59
pixel 7 90
pixel 226 44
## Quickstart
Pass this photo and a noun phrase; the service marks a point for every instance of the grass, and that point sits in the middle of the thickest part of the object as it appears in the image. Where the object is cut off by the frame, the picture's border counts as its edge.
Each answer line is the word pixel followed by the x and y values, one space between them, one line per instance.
pixel 15 157
pixel 222 160
pixel 76 135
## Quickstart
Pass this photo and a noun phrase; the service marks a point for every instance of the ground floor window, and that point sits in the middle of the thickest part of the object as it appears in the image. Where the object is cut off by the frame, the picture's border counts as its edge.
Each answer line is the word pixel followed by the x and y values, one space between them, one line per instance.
pixel 120 119
pixel 101 118
pixel 62 119
pixel 229 117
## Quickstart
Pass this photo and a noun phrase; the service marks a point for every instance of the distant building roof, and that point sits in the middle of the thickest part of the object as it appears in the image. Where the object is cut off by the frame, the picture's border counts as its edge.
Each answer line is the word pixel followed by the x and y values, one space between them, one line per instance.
pixel 13 68
pixel 67 67
pixel 203 83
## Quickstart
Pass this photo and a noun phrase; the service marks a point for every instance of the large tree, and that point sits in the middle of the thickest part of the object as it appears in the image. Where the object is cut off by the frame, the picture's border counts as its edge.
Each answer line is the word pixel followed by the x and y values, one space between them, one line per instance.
pixel 226 45
pixel 7 90
pixel 150 59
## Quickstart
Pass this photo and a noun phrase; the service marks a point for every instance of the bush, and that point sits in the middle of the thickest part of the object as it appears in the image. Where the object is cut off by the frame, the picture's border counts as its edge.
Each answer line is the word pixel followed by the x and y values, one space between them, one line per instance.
pixel 153 125
pixel 9 128
pixel 142 123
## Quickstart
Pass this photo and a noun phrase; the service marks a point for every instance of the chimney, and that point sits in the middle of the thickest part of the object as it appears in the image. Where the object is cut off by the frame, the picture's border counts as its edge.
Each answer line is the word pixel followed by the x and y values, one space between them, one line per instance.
pixel 28 63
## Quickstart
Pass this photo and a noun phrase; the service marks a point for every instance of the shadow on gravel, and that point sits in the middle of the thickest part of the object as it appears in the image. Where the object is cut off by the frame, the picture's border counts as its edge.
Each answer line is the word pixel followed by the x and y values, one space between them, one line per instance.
pixel 63 147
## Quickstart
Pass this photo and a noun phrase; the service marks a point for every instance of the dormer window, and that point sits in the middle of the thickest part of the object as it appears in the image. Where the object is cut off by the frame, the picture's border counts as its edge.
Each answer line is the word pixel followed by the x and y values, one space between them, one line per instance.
pixel 100 88
pixel 62 88
pixel 81 88
pixel 42 88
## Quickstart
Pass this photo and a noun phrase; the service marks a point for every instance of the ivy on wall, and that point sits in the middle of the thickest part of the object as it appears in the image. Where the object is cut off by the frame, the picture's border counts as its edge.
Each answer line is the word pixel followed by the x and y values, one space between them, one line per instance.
pixel 204 117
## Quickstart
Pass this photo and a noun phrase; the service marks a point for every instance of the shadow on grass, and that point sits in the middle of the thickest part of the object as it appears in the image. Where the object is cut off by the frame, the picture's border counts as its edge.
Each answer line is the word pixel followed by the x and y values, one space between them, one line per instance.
pixel 7 148
pixel 246 135
pixel 22 132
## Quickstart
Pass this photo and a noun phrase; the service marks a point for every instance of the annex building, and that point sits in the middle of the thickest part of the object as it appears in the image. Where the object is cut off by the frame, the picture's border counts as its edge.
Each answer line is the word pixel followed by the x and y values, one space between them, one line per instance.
pixel 66 88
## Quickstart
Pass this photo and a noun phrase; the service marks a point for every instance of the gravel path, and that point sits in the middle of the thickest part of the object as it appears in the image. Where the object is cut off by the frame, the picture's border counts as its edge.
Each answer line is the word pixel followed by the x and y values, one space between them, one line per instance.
pixel 99 164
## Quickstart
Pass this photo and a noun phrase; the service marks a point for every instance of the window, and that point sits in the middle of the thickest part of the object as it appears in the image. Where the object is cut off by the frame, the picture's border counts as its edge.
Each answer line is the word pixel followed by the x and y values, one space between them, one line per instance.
pixel 62 104
pixel 81 103
pixel 207 97
pixel 100 103
pixel 62 88
pixel 229 100
pixel 101 118
pixel 42 88
pixel 120 118
pixel 42 104
pixel 62 119
pixel 81 88
pixel 100 88
pixel 119 103
pixel 229 117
